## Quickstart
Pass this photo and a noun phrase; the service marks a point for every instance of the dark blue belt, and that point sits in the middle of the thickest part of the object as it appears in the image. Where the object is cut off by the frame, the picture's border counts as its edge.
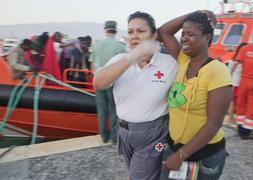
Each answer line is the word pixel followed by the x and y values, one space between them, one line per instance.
pixel 123 124
pixel 143 125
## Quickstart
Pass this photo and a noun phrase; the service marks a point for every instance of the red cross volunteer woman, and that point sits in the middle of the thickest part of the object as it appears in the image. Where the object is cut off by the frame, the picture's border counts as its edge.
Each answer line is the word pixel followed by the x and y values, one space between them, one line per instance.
pixel 141 80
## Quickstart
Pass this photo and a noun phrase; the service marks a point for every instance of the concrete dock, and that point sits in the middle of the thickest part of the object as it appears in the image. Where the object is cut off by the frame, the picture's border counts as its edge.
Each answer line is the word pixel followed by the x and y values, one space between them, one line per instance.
pixel 87 158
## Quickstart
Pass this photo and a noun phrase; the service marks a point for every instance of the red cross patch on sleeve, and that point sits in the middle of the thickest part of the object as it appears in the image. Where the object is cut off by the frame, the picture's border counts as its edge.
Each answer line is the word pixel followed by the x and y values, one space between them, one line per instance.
pixel 159 147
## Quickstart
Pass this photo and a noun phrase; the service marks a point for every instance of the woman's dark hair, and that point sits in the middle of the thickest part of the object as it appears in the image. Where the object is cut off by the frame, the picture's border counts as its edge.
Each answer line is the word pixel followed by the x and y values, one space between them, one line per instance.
pixel 201 19
pixel 145 16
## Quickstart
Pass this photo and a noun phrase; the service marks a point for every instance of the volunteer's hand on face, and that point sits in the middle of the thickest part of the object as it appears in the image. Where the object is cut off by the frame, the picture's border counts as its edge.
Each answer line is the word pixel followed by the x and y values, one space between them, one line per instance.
pixel 143 51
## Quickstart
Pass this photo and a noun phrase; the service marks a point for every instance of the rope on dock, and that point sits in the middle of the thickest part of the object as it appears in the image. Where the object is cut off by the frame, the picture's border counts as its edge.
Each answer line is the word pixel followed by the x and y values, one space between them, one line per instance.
pixel 17 93
pixel 7 151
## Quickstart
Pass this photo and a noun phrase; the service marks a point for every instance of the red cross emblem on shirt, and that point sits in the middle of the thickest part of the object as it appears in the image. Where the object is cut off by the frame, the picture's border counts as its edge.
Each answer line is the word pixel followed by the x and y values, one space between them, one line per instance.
pixel 159 147
pixel 159 74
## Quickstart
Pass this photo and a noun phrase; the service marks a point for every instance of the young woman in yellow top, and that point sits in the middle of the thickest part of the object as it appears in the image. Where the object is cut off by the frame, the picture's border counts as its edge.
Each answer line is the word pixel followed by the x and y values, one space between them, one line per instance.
pixel 199 98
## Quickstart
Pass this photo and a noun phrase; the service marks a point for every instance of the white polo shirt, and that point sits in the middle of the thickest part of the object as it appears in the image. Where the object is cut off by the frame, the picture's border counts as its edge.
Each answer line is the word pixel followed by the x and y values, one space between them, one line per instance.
pixel 141 94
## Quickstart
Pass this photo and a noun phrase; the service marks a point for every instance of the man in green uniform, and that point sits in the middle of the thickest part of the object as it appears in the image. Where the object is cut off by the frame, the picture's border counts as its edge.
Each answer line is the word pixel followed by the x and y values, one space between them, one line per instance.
pixel 101 53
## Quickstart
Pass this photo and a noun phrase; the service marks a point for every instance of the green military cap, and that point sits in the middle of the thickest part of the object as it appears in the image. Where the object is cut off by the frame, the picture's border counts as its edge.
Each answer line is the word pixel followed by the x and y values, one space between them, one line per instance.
pixel 110 25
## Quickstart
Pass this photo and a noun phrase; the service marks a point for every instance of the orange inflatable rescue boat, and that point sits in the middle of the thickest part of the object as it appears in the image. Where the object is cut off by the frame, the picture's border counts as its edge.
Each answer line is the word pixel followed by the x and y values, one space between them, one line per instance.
pixel 234 27
pixel 56 111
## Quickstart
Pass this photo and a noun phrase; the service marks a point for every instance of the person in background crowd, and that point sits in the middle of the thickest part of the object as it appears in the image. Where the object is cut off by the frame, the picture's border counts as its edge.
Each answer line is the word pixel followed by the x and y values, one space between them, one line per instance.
pixel 244 105
pixel 88 41
pixel 79 60
pixel 39 42
pixel 229 60
pixel 140 80
pixel 16 59
pixel 198 99
pixel 58 45
pixel 72 44
pixel 54 53
pixel 36 55
pixel 101 53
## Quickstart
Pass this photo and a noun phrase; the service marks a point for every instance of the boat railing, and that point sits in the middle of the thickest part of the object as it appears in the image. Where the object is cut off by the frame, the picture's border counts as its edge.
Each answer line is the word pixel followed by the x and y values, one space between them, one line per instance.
pixel 84 77
pixel 84 83
pixel 244 6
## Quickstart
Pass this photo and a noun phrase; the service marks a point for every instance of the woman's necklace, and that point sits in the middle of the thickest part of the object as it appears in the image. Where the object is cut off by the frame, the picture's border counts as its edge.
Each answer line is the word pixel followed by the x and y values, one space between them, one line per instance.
pixel 192 70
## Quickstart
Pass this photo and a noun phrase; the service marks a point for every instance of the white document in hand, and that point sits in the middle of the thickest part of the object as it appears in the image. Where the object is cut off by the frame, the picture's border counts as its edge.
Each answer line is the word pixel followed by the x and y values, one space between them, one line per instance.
pixel 181 173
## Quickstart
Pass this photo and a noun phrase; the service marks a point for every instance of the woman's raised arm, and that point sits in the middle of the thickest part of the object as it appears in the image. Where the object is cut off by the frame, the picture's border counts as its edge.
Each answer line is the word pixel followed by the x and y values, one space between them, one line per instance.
pixel 167 32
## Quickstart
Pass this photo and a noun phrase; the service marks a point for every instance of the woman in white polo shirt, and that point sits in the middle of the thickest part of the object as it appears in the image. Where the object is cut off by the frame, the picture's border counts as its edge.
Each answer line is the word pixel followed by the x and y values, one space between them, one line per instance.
pixel 141 80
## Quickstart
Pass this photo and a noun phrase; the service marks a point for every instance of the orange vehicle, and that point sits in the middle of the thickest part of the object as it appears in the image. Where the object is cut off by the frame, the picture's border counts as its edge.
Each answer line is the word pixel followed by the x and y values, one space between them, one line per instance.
pixel 61 111
pixel 234 26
